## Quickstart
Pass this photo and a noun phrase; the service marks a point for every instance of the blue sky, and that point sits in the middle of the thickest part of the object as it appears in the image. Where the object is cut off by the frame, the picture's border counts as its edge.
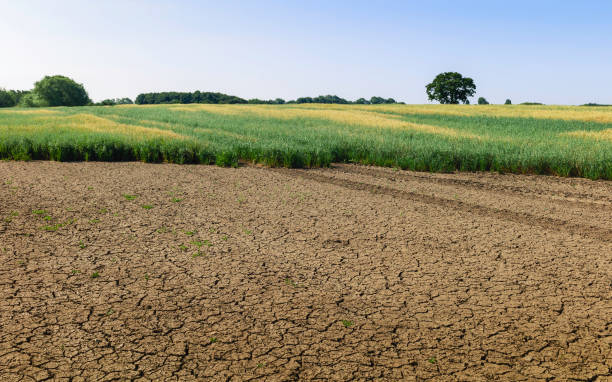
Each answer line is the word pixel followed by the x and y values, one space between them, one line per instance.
pixel 556 52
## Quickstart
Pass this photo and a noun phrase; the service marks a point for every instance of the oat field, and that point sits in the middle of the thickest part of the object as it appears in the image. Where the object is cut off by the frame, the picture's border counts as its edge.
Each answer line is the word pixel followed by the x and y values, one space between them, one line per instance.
pixel 553 140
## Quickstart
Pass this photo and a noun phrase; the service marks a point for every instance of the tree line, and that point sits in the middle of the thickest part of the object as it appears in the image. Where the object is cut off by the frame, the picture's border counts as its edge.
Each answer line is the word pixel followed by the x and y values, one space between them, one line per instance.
pixel 220 98
pixel 446 88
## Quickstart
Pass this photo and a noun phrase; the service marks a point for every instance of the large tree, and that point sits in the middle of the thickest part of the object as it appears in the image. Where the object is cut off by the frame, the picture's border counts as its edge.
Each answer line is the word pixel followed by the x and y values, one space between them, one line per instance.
pixel 451 87
pixel 61 91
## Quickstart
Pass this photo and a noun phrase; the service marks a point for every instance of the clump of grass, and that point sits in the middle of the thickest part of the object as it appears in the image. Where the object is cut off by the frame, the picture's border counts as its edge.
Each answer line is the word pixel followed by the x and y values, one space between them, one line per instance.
pixel 147 206
pixel 39 212
pixel 176 200
pixel 94 221
pixel 95 275
pixel 130 197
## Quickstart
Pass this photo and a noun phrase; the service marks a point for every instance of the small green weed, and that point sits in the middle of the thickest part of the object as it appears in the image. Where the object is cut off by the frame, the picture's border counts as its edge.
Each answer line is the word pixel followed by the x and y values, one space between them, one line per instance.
pixel 82 245
pixel 176 200
pixel 432 360
pixel 183 247
pixel 95 275
pixel 213 340
pixel 130 197
pixel 75 272
pixel 94 221
pixel 347 323
pixel 190 233
pixel 52 228
pixel 147 206
pixel 39 212
pixel 224 238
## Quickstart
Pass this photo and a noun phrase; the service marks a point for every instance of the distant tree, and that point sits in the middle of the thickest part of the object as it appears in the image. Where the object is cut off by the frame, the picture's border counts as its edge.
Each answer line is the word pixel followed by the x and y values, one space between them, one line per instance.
pixel 6 98
pixel 508 102
pixel 482 101
pixel 61 91
pixel 377 100
pixel 451 88
pixel 124 101
pixel 532 103
pixel 594 104
pixel 362 101
pixel 279 101
pixel 114 101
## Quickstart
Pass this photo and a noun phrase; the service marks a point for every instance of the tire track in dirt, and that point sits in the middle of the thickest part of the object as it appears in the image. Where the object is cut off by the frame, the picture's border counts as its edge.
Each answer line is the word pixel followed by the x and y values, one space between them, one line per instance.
pixel 552 224
pixel 597 202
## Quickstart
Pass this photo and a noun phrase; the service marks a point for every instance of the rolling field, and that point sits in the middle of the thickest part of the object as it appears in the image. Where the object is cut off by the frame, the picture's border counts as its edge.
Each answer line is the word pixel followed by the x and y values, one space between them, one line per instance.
pixel 564 141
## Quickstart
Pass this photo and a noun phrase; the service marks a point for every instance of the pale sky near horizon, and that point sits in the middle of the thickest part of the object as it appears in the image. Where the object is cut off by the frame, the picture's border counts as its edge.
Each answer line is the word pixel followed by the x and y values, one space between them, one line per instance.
pixel 555 52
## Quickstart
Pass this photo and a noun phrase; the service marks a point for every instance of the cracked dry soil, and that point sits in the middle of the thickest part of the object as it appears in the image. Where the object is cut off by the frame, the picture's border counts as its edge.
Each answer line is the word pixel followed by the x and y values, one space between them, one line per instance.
pixel 132 271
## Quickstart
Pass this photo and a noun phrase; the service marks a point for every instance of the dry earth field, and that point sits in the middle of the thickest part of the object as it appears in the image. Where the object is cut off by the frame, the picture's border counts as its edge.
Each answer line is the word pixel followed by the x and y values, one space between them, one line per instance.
pixel 132 271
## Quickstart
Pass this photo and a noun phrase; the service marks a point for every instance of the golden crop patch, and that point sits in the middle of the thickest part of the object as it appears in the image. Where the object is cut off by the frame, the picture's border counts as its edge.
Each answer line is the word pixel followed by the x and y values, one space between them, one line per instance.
pixel 96 124
pixel 597 135
pixel 345 116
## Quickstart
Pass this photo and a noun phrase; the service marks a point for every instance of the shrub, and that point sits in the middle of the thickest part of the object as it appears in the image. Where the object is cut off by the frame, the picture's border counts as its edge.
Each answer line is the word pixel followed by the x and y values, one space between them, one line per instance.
pixel 482 101
pixel 508 102
pixel 33 100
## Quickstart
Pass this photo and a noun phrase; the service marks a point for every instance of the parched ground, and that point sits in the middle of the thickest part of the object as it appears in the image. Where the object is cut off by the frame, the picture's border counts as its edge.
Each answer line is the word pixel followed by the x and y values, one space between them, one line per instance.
pixel 119 271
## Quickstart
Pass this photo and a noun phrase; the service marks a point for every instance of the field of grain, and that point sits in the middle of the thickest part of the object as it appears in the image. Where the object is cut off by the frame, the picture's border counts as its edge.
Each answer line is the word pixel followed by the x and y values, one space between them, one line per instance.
pixel 556 140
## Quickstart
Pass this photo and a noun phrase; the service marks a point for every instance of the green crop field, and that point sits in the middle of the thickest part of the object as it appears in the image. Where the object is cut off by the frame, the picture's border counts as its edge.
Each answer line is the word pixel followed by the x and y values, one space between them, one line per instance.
pixel 558 140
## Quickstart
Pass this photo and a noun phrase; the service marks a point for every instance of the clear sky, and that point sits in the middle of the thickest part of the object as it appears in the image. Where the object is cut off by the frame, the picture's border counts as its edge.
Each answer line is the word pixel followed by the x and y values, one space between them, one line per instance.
pixel 556 52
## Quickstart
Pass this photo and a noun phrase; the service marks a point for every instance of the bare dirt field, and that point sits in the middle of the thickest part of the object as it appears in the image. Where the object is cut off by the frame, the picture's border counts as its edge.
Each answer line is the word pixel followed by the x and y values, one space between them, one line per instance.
pixel 119 271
